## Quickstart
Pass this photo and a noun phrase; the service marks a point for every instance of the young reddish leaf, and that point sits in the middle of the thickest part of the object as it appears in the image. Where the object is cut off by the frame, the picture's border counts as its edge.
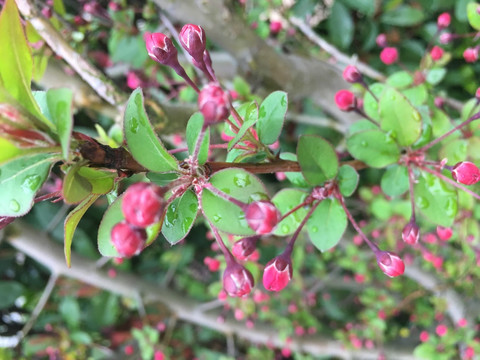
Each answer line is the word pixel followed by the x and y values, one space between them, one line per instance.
pixel 317 158
pixel 71 223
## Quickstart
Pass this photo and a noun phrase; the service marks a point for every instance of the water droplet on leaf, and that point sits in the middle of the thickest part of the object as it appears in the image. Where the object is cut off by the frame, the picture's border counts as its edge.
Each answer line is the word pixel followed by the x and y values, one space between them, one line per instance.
pixel 31 183
pixel 14 205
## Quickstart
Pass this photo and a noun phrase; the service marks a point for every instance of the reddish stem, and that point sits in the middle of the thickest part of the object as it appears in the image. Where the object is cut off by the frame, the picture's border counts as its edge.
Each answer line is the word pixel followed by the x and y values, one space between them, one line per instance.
pixel 289 248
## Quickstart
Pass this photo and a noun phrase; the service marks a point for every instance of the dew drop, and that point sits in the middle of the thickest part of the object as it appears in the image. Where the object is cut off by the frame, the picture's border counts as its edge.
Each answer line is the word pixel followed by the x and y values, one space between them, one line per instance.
pixel 186 224
pixel 364 143
pixel 193 208
pixel 416 116
pixel 451 207
pixel 314 229
pixel 283 102
pixel 374 106
pixel 31 183
pixel 422 202
pixel 14 205
pixel 217 217
pixel 285 229
pixel 241 180
pixel 134 125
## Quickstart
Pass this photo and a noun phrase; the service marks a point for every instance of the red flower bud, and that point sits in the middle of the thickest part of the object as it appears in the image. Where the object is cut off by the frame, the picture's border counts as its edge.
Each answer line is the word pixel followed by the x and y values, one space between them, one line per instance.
pixel 161 49
pixel 477 93
pixel 278 272
pixel 351 74
pixel 127 239
pixel 390 263
pixel 275 27
pixel 445 38
pixel 436 53
pixel 443 20
pixel 262 216
pixel 411 233
pixel 143 204
pixel 444 233
pixel 470 55
pixel 193 39
pixel 466 173
pixel 213 103
pixel 381 40
pixel 243 248
pixel 237 281
pixel 345 100
pixel 389 55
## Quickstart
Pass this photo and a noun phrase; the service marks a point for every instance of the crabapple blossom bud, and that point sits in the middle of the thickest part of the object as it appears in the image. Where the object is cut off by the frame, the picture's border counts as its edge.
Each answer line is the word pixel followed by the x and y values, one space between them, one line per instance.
pixel 214 103
pixel 439 102
pixel 466 173
pixel 243 248
pixel 443 20
pixel 445 38
pixel 351 74
pixel 441 330
pixel 278 272
pixel 143 204
pixel 237 281
pixel 212 264
pixel 275 27
pixel 411 233
pixel 477 94
pixel 193 39
pixel 470 55
pixel 444 233
pixel 127 239
pixel 345 100
pixel 390 263
pixel 262 216
pixel 436 53
pixel 161 49
pixel 381 40
pixel 389 55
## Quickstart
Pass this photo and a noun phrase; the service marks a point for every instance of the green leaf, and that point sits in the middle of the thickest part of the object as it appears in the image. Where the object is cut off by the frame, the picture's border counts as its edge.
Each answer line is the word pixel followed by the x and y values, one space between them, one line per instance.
pixel 271 117
pixel 17 64
pixel 436 199
pixel 440 122
pixel 194 127
pixel 113 216
pixel 426 135
pixel 473 15
pixel 7 150
pixel 340 25
pixel 239 184
pixel 436 75
pixel 399 117
pixel 318 159
pixel 296 178
pixel 417 95
pixel 102 181
pixel 20 179
pixel 10 291
pixel 455 151
pixel 403 15
pixel 71 223
pixel 285 200
pixel 366 7
pixel 75 187
pixel 179 217
pixel 161 179
pixel 141 139
pixel 400 79
pixel 60 108
pixel 395 180
pixel 370 104
pixel 347 180
pixel 70 311
pixel 250 118
pixel 327 224
pixel 373 147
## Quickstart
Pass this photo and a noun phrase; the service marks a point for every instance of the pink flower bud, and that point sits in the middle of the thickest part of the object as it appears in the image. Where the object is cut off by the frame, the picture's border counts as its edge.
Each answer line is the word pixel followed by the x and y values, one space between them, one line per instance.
pixel 381 40
pixel 193 39
pixel 443 20
pixel 424 335
pixel 345 100
pixel 212 264
pixel 143 204
pixel 275 27
pixel 389 55
pixel 445 38
pixel 127 239
pixel 278 272
pixel 436 53
pixel 213 103
pixel 441 330
pixel 243 248
pixel 470 55
pixel 477 93
pixel 444 233
pixel 161 49
pixel 466 173
pixel 390 263
pixel 158 355
pixel 351 74
pixel 439 102
pixel 237 281
pixel 411 233
pixel 262 216
pixel 134 81
pixel 469 353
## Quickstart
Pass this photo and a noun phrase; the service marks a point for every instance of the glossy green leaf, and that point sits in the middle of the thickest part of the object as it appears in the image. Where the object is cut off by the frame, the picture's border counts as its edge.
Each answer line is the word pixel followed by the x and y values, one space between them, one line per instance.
pixel 400 79
pixel 10 291
pixel 194 127
pixel 239 184
pixel 473 15
pixel 370 104
pixel 454 151
pixel 141 139
pixel 436 199
pixel 7 150
pixel 417 95
pixel 161 179
pixel 285 200
pixel 347 180
pixel 250 119
pixel 17 64
pixel 75 188
pixel 296 178
pixel 111 217
pixel 71 223
pixel 60 108
pixel 318 159
pixel 436 75
pixel 271 116
pixel 327 224
pixel 366 7
pixel 20 179
pixel 469 109
pixel 426 135
pixel 340 25
pixel 361 125
pixel 395 180
pixel 179 217
pixel 373 147
pixel 403 15
pixel 440 122
pixel 399 117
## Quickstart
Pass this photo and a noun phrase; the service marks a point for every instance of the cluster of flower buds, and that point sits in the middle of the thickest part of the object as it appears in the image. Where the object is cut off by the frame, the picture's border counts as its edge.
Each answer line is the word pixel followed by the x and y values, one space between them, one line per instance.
pixel 142 205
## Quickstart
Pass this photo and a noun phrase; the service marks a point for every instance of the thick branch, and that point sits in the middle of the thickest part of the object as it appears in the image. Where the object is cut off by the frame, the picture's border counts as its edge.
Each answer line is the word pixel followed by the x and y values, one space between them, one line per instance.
pixel 50 254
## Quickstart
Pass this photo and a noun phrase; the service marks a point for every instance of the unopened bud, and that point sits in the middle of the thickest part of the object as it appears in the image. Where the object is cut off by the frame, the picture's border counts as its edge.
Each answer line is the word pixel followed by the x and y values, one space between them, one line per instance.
pixel 411 233
pixel 278 273
pixel 445 38
pixel 161 49
pixel 470 55
pixel 262 216
pixel 444 233
pixel 351 74
pixel 443 20
pixel 214 104
pixel 466 173
pixel 243 248
pixel 345 100
pixel 381 40
pixel 237 281
pixel 436 53
pixel 143 204
pixel 127 239
pixel 389 55
pixel 193 39
pixel 390 263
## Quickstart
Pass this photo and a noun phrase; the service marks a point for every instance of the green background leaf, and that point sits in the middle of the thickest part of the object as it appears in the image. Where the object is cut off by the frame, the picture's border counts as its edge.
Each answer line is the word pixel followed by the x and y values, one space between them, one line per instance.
pixel 395 180
pixel 10 291
pixel 318 159
pixel 347 180
pixel 271 117
pixel 60 108
pixel 473 16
